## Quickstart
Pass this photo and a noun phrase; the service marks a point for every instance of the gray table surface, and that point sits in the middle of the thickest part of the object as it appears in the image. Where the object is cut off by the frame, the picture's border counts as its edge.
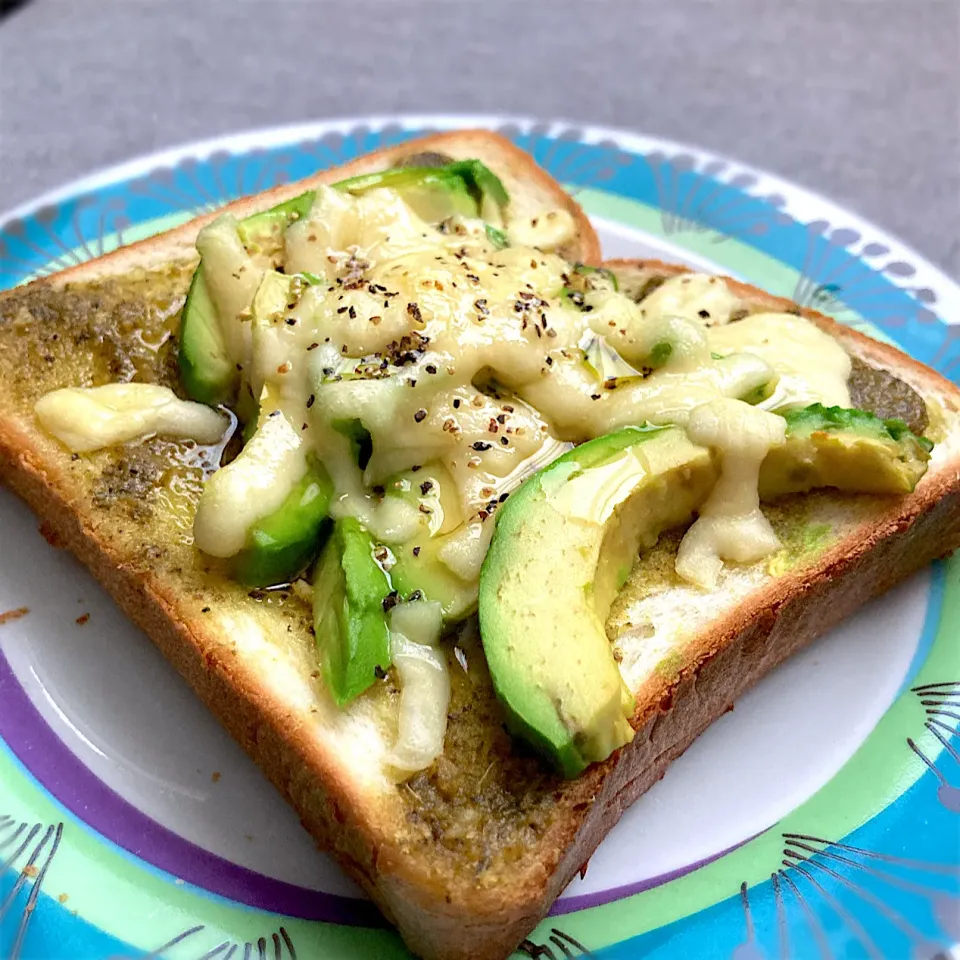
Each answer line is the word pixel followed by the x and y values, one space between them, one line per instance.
pixel 859 99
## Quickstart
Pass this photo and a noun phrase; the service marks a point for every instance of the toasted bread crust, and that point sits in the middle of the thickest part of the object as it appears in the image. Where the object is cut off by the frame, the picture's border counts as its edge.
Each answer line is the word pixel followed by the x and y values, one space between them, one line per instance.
pixel 328 806
pixel 448 917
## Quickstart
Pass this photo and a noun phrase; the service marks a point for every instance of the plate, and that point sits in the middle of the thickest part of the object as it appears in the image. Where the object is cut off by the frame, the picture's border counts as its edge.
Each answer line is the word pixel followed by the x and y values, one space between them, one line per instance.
pixel 818 819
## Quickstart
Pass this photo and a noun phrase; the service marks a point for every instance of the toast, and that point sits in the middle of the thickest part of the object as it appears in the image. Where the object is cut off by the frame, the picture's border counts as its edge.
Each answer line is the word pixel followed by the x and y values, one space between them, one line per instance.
pixel 469 855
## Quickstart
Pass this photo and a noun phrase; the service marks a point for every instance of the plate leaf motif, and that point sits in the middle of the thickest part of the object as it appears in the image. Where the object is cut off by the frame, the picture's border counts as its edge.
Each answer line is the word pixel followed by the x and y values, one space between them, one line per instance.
pixel 27 849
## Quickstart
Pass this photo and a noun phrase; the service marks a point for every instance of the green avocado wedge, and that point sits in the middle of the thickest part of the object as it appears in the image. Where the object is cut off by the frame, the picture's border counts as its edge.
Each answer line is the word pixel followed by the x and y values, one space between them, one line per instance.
pixel 282 545
pixel 349 589
pixel 206 370
pixel 846 449
pixel 418 567
pixel 542 611
pixel 484 186
pixel 418 570
pixel 433 193
pixel 264 231
pixel 361 444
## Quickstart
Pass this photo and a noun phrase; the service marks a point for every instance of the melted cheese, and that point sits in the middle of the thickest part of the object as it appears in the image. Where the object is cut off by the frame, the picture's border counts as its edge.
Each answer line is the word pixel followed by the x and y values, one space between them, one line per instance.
pixel 478 361
pixel 250 487
pixel 232 278
pixel 465 549
pixel 731 525
pixel 693 296
pixel 340 227
pixel 547 231
pixel 424 685
pixel 594 495
pixel 811 365
pixel 403 347
pixel 90 418
pixel 450 351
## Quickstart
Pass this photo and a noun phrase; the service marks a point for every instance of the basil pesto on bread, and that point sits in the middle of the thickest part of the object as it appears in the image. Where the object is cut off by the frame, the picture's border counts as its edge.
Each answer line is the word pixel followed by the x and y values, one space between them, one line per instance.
pixel 462 534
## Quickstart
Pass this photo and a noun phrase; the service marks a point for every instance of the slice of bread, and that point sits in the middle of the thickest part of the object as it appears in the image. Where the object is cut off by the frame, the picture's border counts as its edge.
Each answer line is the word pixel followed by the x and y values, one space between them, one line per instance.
pixel 466 857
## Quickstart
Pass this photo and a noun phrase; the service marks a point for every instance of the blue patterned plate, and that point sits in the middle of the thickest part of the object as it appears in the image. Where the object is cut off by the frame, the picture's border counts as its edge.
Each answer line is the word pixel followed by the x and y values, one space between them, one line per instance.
pixel 818 820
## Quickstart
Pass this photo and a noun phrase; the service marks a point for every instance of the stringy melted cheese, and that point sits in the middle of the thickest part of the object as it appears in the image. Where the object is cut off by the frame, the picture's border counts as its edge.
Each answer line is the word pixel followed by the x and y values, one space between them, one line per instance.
pixel 454 353
pixel 731 525
pixel 84 419
pixel 450 351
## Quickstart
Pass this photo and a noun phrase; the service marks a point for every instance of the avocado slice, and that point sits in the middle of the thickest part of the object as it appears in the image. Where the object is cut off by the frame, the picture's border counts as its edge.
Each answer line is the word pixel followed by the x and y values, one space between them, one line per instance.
pixel 361 443
pixel 417 570
pixel 847 449
pixel 467 187
pixel 418 567
pixel 580 278
pixel 207 372
pixel 434 194
pixel 283 544
pixel 542 610
pixel 485 187
pixel 263 232
pixel 497 237
pixel 350 591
